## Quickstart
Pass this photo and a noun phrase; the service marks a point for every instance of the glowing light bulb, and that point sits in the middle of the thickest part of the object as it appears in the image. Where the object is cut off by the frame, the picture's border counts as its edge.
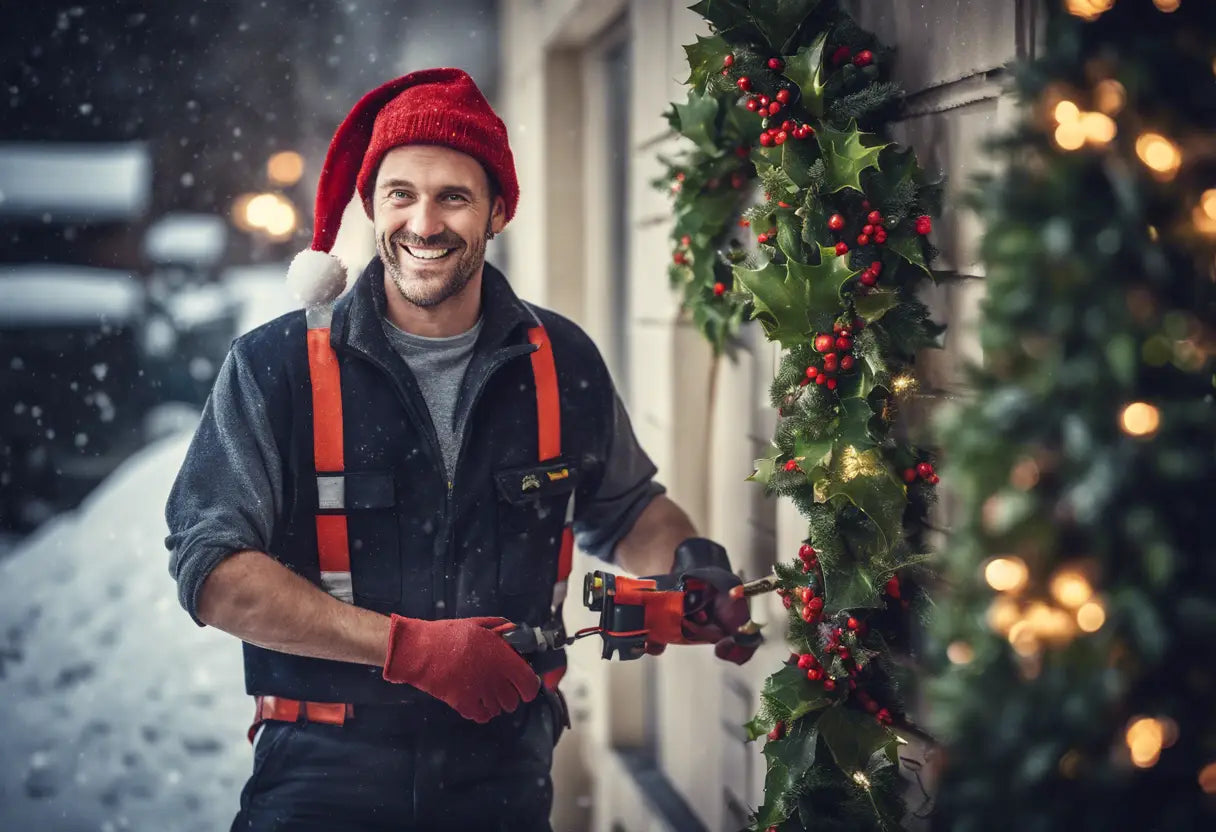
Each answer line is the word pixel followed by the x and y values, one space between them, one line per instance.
pixel 1070 588
pixel 1091 616
pixel 1145 738
pixel 1002 614
pixel 1006 574
pixel 1167 6
pixel 1160 154
pixel 1089 9
pixel 1207 778
pixel 1099 129
pixel 1140 419
pixel 1066 112
pixel 1070 135
pixel 1110 96
pixel 960 652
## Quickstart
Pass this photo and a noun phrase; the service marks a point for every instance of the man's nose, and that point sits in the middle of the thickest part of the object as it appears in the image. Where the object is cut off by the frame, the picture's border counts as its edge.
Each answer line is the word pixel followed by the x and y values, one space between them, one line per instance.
pixel 425 220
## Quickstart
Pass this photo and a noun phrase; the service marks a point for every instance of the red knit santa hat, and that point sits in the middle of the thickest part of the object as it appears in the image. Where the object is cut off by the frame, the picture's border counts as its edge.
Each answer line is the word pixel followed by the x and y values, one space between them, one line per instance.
pixel 432 106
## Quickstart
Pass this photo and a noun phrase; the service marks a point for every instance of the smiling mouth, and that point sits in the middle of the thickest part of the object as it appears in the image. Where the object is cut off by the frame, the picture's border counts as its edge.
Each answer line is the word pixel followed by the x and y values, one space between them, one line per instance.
pixel 427 254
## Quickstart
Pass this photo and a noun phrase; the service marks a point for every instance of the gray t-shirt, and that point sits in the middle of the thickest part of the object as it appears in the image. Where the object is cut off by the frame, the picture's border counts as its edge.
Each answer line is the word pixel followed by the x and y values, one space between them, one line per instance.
pixel 438 364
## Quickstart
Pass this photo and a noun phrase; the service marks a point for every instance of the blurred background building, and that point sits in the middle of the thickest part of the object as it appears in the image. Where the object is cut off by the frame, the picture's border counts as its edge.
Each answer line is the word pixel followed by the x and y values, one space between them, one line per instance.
pixel 157 170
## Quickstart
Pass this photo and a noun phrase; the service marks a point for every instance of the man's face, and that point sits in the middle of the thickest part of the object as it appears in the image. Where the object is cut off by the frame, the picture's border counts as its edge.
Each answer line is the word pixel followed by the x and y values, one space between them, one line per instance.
pixel 432 210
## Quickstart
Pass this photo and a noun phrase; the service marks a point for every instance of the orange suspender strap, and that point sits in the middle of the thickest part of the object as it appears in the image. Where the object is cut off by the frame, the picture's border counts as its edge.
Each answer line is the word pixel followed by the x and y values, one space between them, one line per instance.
pixel 333 550
pixel 549 424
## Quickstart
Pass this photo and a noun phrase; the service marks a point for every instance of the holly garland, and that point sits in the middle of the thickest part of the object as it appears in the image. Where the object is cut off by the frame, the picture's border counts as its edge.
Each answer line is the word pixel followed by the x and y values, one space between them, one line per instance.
pixel 790 96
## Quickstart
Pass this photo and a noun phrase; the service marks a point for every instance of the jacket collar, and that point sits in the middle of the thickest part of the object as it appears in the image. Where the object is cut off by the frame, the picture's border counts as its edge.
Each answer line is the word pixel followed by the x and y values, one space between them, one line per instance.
pixel 358 314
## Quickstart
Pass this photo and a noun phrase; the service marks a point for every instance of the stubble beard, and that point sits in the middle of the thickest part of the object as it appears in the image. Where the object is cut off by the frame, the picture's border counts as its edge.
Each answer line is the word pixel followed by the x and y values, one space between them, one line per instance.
pixel 435 286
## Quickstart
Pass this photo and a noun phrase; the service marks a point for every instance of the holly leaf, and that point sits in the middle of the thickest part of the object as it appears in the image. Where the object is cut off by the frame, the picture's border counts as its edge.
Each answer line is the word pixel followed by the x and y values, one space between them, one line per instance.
pixel 846 155
pixel 805 69
pixel 854 430
pixel 789 235
pixel 852 737
pixel 764 469
pixel 779 20
pixel 824 282
pixel 850 589
pixel 696 120
pixel 912 248
pixel 728 17
pixel 810 453
pixel 873 306
pixel 780 299
pixel 790 689
pixel 789 759
pixel 864 479
pixel 705 56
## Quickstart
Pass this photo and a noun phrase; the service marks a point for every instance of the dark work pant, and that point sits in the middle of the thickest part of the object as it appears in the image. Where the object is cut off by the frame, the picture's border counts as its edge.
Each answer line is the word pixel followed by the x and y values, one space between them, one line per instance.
pixel 404 768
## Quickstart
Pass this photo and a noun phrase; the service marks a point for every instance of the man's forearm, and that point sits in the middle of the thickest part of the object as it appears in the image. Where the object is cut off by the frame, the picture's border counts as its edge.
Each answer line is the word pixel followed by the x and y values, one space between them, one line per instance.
pixel 255 598
pixel 650 546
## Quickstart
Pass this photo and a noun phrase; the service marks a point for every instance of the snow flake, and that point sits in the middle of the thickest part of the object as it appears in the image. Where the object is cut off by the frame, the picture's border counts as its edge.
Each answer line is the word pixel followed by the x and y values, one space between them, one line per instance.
pixel 100 370
pixel 85 108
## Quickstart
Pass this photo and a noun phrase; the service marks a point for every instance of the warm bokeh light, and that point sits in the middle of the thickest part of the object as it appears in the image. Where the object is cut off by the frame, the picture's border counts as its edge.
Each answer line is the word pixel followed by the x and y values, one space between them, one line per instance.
pixel 1099 129
pixel 1110 96
pixel 1140 419
pixel 1022 637
pixel 270 213
pixel 1066 112
pixel 1002 614
pixel 1049 624
pixel 1091 616
pixel 960 652
pixel 1159 153
pixel 1145 738
pixel 1025 474
pixel 1167 6
pixel 1207 778
pixel 903 383
pixel 1070 135
pixel 285 167
pixel 1070 588
pixel 1204 214
pixel 1089 9
pixel 1006 574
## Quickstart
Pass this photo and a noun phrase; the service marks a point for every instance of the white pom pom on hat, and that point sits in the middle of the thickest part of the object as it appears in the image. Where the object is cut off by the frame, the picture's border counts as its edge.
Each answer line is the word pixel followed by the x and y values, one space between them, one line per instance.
pixel 464 122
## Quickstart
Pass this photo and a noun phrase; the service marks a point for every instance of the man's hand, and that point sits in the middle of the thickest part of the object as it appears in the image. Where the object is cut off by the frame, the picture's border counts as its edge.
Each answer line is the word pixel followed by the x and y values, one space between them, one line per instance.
pixel 463 661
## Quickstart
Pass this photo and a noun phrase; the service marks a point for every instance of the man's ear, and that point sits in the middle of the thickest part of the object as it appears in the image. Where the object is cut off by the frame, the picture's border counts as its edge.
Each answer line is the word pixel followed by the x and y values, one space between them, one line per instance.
pixel 498 215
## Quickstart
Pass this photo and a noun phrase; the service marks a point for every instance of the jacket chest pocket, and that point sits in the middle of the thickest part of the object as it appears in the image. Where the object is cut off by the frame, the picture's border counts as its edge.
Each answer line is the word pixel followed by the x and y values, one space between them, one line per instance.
pixel 532 505
pixel 368 500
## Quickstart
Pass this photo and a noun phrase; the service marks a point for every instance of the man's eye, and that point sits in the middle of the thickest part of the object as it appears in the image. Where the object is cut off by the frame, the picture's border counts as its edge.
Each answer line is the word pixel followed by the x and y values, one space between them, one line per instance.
pixel 456 196
pixel 397 194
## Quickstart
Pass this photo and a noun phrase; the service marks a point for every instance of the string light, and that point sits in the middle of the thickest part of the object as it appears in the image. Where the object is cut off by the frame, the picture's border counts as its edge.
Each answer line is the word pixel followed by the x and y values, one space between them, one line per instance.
pixel 1204 214
pixel 1091 616
pixel 860 779
pixel 1070 588
pixel 1167 6
pixel 1207 778
pixel 1049 624
pixel 1089 10
pixel 960 652
pixel 1002 614
pixel 1110 96
pixel 1021 636
pixel 1140 419
pixel 1006 574
pixel 1067 111
pixel 904 383
pixel 1099 128
pixel 1075 127
pixel 1145 738
pixel 1160 154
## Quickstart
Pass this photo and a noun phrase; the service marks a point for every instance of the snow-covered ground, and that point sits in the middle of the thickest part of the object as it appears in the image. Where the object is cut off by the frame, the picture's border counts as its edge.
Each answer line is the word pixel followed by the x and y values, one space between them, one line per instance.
pixel 116 710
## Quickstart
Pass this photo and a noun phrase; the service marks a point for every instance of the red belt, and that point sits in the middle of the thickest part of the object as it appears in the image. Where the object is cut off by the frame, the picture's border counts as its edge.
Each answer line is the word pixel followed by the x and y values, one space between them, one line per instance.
pixel 294 710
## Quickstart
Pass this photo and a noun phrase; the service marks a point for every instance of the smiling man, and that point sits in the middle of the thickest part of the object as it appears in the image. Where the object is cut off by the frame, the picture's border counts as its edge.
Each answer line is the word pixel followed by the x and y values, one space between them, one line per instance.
pixel 384 482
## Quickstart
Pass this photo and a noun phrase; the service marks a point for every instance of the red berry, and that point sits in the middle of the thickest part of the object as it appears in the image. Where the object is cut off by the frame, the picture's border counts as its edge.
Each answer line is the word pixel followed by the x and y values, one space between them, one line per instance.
pixel 844 343
pixel 831 384
pixel 807 615
pixel 752 104
pixel 836 222
pixel 781 137
pixel 867 229
pixel 892 587
pixel 837 326
pixel 764 101
pixel 880 236
pixel 909 475
pixel 744 83
pixel 807 130
pixel 814 674
pixel 841 55
pixel 852 623
pixel 829 683
pixel 783 96
pixel 729 60
pixel 679 258
pixel 787 602
pixel 685 240
pixel 762 239
pixel 821 378
pixel 924 469
pixel 842 249
pixel 791 465
pixel 884 716
pixel 719 289
pixel 787 126
pixel 776 64
pixel 806 551
pixel 876 267
pixel 829 362
pixel 843 652
pixel 824 343
pixel 934 480
pixel 868 279
pixel 924 225
pixel 766 140
pixel 815 605
pixel 874 217
pixel 846 363
pixel 864 58
pixel 806 661
pixel 774 108
pixel 811 372
pixel 863 240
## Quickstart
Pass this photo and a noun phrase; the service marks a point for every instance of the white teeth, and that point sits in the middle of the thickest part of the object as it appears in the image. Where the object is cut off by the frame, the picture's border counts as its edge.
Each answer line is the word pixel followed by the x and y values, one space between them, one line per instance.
pixel 427 254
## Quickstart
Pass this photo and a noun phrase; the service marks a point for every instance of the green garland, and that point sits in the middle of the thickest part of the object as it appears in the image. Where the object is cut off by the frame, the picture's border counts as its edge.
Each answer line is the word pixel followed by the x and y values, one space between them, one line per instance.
pixel 789 94
pixel 841 247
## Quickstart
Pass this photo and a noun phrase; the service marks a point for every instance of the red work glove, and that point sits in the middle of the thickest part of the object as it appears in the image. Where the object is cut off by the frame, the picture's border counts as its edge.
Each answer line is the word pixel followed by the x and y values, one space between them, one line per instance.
pixel 463 661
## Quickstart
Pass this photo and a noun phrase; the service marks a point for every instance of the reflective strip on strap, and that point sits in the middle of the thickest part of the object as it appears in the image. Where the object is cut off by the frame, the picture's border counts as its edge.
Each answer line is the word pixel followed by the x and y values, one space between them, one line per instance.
pixel 548 404
pixel 338 584
pixel 331 491
pixel 326 402
pixel 334 553
pixel 319 317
